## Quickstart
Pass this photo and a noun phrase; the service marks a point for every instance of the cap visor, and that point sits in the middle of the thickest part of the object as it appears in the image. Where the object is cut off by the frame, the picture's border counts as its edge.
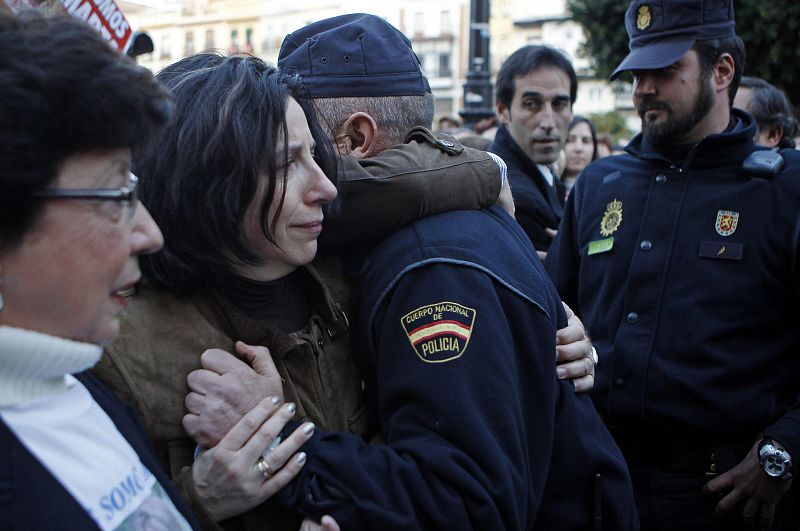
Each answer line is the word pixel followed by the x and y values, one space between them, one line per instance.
pixel 654 55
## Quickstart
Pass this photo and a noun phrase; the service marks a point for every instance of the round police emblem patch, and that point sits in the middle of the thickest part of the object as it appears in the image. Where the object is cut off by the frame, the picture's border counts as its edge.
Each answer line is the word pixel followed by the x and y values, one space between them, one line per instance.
pixel 612 218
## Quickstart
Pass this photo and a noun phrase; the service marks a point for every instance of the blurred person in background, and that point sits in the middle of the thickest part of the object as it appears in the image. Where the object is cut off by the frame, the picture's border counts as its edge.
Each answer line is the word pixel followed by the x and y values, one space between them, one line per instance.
pixel 449 124
pixel 775 117
pixel 605 145
pixel 579 150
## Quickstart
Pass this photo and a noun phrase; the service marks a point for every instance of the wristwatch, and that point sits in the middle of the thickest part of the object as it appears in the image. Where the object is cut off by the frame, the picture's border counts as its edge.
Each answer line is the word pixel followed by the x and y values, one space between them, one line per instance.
pixel 776 462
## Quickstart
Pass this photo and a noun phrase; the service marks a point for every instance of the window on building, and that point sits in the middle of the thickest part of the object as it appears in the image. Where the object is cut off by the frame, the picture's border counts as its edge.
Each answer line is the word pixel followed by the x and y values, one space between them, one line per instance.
pixel 165 50
pixel 266 43
pixel 209 39
pixel 444 65
pixel 419 24
pixel 446 24
pixel 188 43
pixel 234 41
pixel 248 40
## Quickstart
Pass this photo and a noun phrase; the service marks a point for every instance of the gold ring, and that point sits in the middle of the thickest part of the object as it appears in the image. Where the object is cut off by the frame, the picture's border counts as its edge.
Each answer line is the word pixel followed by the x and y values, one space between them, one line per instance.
pixel 264 468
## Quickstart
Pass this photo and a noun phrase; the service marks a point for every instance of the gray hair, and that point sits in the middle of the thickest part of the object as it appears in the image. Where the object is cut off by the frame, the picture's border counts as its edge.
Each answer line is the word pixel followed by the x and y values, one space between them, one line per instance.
pixel 394 115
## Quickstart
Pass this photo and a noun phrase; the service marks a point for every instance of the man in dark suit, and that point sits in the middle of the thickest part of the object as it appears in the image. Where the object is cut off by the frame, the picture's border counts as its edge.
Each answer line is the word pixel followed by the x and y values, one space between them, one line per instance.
pixel 536 88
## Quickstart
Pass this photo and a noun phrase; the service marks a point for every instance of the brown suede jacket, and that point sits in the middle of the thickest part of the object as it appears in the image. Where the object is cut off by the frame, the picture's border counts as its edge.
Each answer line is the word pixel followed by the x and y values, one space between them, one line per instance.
pixel 160 343
pixel 162 337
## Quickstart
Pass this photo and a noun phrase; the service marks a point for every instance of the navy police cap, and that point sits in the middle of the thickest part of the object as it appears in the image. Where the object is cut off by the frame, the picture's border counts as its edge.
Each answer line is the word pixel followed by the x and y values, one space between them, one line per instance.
pixel 356 55
pixel 661 31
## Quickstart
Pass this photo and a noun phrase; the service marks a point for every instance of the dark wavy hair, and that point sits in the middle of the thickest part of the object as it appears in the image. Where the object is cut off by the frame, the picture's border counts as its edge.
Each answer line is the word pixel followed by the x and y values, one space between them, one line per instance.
pixel 771 109
pixel 63 91
pixel 199 175
pixel 526 60
pixel 709 53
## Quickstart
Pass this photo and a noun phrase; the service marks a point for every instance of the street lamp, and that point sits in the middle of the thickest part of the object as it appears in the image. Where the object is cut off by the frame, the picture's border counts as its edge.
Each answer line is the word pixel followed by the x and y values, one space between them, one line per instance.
pixel 478 87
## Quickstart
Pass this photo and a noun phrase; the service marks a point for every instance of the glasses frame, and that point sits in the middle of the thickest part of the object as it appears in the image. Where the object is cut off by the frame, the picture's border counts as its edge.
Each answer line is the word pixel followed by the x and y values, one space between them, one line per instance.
pixel 125 194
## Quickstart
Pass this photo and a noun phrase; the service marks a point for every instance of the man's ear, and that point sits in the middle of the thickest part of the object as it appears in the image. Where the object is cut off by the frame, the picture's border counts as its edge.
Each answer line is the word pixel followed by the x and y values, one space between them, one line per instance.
pixel 358 136
pixel 723 72
pixel 503 113
pixel 770 135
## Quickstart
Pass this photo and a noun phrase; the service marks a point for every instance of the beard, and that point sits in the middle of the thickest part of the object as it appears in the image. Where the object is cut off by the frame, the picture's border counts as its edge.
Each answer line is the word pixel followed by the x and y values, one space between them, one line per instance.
pixel 676 124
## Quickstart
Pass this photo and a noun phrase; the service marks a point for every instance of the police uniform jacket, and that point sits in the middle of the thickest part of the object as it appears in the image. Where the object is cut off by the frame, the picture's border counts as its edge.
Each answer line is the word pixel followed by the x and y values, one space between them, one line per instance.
pixel 456 333
pixel 687 278
pixel 539 204
pixel 160 342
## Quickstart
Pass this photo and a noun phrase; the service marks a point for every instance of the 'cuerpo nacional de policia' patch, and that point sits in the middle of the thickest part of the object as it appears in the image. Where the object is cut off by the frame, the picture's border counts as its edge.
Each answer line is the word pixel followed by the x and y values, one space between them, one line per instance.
pixel 726 222
pixel 439 332
pixel 643 17
pixel 611 218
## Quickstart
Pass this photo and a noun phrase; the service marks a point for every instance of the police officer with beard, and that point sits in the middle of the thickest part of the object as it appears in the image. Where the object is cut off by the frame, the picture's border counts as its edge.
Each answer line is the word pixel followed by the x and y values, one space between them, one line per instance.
pixel 682 258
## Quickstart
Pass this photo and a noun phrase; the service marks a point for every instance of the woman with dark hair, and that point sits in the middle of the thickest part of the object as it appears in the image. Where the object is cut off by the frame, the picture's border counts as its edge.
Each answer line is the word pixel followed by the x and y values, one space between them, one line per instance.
pixel 71 455
pixel 237 181
pixel 580 149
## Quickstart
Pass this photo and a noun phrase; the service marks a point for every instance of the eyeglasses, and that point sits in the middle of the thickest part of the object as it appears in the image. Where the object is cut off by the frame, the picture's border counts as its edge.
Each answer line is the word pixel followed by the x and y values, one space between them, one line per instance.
pixel 126 194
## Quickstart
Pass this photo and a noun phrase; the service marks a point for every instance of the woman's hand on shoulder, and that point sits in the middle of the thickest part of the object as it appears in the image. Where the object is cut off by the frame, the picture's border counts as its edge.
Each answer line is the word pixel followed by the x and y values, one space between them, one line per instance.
pixel 246 468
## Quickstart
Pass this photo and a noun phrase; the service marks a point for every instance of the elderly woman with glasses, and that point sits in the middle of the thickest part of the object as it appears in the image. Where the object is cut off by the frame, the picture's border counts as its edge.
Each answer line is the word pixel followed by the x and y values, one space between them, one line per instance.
pixel 71 455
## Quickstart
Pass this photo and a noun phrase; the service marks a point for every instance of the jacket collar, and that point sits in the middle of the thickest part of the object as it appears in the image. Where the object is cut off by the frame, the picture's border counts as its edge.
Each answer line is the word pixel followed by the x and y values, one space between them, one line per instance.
pixel 240 325
pixel 507 148
pixel 731 146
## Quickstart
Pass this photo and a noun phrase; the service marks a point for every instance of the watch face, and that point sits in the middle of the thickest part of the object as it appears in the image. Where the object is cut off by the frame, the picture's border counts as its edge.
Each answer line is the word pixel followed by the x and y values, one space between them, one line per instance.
pixel 774 461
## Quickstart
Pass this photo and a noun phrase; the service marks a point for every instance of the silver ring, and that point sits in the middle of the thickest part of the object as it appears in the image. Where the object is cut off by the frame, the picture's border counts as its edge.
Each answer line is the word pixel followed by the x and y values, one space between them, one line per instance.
pixel 265 469
pixel 595 358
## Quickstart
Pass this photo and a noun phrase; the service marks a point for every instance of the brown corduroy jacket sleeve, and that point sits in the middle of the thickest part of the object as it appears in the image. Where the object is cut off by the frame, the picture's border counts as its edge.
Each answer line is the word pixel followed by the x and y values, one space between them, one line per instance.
pixel 431 173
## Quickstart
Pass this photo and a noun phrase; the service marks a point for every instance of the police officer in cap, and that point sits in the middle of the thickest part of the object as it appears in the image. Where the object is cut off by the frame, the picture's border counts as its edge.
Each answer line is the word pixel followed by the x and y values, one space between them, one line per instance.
pixel 682 258
pixel 455 324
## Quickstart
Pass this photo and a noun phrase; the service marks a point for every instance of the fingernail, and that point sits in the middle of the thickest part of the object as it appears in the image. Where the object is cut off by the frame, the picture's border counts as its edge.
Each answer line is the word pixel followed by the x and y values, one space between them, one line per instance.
pixel 308 429
pixel 274 400
pixel 562 373
pixel 301 458
pixel 291 407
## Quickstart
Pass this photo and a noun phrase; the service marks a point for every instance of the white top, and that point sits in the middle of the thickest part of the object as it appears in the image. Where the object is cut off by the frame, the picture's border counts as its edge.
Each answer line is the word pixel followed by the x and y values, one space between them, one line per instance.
pixel 77 442
pixel 547 173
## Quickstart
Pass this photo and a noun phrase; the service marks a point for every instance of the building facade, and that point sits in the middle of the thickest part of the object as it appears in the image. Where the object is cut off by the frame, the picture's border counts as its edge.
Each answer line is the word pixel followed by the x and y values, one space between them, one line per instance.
pixel 439 32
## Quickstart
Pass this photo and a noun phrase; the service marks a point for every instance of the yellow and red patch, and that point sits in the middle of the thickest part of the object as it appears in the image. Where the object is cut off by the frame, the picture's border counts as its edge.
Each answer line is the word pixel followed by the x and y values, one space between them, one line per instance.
pixel 439 332
pixel 726 222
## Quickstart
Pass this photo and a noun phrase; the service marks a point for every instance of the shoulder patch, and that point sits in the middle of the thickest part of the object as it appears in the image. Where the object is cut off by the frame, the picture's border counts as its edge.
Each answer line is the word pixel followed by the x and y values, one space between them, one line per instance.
pixel 439 332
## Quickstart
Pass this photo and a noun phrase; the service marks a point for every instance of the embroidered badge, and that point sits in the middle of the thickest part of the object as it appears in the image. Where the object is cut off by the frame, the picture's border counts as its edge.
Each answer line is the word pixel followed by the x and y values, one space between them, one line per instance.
pixel 643 17
pixel 439 332
pixel 726 222
pixel 611 218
